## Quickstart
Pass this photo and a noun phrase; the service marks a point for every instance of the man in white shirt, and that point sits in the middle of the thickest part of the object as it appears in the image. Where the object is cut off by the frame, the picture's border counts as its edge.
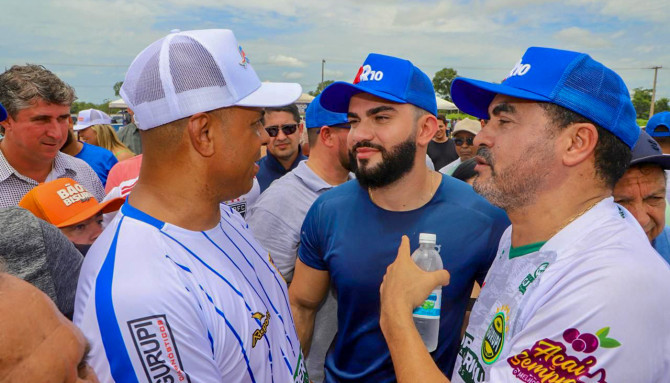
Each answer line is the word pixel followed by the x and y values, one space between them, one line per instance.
pixel 176 288
pixel 576 290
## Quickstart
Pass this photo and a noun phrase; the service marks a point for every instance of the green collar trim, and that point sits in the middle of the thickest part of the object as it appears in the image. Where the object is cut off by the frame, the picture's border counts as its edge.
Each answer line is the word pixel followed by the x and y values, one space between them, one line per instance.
pixel 526 249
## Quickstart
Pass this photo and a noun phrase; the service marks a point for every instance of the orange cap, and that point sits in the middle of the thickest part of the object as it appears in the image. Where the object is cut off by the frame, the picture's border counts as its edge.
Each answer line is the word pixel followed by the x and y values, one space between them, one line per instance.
pixel 64 202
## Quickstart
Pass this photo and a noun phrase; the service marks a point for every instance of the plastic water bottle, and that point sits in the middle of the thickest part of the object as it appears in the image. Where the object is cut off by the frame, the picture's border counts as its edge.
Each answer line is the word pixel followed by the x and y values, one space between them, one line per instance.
pixel 427 316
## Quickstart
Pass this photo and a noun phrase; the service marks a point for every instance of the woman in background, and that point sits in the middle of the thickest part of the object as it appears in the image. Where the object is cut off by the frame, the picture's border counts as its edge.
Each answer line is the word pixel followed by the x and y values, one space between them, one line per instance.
pixel 103 135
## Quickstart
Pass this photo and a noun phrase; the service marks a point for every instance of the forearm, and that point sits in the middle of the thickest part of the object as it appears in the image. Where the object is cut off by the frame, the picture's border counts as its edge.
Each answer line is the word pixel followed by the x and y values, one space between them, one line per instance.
pixel 304 325
pixel 411 360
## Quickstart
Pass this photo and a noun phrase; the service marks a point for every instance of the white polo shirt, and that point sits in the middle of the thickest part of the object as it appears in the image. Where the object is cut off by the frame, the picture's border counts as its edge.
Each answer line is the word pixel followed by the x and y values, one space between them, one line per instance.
pixel 160 303
pixel 589 305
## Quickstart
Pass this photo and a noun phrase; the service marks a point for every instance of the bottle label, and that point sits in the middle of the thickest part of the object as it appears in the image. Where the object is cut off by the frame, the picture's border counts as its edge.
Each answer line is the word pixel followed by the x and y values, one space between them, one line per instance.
pixel 430 309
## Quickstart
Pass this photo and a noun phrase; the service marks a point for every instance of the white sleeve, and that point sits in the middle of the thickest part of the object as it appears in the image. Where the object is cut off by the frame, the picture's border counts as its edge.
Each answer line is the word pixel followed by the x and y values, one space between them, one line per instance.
pixel 148 326
pixel 607 323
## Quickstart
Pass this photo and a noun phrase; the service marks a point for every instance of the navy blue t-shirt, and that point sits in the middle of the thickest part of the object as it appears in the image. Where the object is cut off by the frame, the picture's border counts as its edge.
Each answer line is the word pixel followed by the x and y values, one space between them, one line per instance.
pixel 100 159
pixel 355 241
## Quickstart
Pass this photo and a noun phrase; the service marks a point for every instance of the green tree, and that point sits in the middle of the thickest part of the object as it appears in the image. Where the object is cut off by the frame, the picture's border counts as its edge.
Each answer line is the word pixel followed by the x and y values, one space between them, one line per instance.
pixel 78 106
pixel 117 88
pixel 662 105
pixel 642 102
pixel 320 88
pixel 442 82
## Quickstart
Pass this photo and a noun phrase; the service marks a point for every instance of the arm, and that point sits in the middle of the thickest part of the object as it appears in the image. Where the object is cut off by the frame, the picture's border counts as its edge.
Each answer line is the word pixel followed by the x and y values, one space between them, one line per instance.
pixel 307 291
pixel 405 287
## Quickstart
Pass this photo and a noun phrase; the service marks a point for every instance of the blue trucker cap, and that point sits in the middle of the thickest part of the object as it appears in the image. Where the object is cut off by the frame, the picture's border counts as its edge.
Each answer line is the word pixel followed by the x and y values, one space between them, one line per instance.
pixel 647 151
pixel 572 80
pixel 3 113
pixel 317 116
pixel 659 120
pixel 386 77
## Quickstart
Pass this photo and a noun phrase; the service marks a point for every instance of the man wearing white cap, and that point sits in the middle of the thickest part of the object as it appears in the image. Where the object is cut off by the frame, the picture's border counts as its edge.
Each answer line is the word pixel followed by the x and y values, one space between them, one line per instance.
pixel 464 135
pixel 176 289
pixel 38 106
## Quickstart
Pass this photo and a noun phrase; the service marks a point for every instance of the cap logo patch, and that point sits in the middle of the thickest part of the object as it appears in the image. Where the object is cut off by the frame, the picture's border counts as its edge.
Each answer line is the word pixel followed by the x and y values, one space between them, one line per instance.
pixel 73 193
pixel 519 69
pixel 80 118
pixel 245 59
pixel 365 73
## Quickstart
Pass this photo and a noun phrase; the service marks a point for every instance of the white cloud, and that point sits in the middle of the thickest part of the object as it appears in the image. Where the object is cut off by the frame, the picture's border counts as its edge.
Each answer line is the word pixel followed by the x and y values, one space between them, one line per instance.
pixel 293 75
pixel 575 36
pixel 287 61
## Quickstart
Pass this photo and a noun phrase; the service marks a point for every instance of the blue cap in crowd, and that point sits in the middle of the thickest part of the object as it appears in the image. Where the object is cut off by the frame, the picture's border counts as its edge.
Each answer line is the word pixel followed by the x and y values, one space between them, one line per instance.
pixel 386 77
pixel 570 79
pixel 647 151
pixel 317 116
pixel 3 113
pixel 659 120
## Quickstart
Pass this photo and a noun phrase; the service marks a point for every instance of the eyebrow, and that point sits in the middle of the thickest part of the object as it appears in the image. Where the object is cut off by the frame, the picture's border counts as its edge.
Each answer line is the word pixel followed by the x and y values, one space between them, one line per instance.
pixel 45 117
pixel 379 109
pixel 503 107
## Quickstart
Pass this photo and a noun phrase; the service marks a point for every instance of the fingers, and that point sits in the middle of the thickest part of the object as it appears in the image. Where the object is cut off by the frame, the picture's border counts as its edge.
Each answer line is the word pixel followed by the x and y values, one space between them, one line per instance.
pixel 403 250
pixel 441 277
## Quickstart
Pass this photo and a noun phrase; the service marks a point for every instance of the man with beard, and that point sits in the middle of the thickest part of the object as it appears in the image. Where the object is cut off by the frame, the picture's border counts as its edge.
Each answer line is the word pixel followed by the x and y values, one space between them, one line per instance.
pixel 351 232
pixel 574 291
pixel 99 159
pixel 276 217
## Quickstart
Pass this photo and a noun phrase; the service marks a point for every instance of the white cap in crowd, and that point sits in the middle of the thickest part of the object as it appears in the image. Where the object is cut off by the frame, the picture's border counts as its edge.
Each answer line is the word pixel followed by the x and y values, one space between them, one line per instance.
pixel 188 72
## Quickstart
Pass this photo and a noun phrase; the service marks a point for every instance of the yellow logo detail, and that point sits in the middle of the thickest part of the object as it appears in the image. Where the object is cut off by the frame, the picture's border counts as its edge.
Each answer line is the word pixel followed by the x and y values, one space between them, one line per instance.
pixel 258 334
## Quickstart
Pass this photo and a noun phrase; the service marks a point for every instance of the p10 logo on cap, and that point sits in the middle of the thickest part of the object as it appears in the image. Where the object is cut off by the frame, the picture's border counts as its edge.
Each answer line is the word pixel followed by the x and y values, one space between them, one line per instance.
pixel 365 73
pixel 519 69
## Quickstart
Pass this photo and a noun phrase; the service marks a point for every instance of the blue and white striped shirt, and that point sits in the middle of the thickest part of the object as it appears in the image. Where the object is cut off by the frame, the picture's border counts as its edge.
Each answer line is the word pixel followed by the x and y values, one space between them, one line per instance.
pixel 160 303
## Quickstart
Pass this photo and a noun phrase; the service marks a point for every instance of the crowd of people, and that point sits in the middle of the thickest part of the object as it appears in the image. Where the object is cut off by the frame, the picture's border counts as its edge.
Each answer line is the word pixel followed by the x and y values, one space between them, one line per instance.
pixel 171 251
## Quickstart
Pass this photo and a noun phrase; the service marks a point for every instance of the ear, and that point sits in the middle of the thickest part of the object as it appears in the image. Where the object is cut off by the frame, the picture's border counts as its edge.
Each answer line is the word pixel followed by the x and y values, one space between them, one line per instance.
pixel 201 134
pixel 427 126
pixel 580 141
pixel 326 136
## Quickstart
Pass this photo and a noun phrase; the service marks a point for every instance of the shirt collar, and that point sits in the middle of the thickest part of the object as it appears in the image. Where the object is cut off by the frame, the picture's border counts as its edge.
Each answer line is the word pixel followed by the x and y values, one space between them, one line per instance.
pixel 278 167
pixel 60 167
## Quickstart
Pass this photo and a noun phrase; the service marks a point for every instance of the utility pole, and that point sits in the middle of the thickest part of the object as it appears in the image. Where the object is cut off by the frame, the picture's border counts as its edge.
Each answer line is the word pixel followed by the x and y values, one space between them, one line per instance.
pixel 653 91
pixel 323 65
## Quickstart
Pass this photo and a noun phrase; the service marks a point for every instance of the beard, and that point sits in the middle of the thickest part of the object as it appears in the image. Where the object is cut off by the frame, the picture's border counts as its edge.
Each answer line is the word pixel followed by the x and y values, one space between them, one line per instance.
pixel 394 165
pixel 516 186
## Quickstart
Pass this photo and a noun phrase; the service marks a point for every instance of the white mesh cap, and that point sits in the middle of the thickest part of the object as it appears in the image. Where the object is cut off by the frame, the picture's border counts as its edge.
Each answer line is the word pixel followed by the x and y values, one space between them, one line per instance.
pixel 189 72
pixel 90 117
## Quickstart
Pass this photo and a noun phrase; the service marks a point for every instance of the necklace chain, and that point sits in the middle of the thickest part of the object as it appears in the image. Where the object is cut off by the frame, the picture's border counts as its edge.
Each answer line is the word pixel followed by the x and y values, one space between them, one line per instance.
pixel 574 217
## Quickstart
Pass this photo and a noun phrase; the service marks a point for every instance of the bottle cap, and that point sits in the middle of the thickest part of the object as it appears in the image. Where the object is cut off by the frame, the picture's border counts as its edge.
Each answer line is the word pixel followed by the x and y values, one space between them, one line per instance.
pixel 427 238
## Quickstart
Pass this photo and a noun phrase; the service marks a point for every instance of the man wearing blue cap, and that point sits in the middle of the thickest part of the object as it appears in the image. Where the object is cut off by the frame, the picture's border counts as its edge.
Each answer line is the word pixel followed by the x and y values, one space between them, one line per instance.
pixel 642 191
pixel 276 217
pixel 658 128
pixel 350 233
pixel 574 291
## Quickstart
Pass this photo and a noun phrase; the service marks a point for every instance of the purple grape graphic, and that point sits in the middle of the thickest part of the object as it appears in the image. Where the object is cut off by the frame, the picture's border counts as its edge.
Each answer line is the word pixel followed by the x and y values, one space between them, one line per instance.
pixel 591 342
pixel 578 345
pixel 570 335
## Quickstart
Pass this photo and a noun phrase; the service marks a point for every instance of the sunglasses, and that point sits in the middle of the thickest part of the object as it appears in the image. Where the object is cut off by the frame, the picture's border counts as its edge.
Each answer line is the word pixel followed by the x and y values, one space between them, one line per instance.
pixel 273 130
pixel 461 141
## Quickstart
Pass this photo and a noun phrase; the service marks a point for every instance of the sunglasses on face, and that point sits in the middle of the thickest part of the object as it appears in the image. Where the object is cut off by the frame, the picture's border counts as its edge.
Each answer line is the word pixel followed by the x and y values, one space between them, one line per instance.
pixel 461 141
pixel 273 130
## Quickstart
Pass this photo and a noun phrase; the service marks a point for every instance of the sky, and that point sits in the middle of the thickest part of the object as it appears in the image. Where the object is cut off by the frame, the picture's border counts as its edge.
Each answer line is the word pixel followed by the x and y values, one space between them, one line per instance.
pixel 91 43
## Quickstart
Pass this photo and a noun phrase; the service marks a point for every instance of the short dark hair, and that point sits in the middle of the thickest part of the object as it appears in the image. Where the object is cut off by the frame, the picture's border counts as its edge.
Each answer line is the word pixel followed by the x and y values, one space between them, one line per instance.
pixel 612 155
pixel 292 108
pixel 442 118
pixel 21 85
pixel 313 136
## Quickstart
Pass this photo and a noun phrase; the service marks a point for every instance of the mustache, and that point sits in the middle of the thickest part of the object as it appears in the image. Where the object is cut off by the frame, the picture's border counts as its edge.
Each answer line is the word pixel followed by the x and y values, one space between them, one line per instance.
pixel 367 144
pixel 486 155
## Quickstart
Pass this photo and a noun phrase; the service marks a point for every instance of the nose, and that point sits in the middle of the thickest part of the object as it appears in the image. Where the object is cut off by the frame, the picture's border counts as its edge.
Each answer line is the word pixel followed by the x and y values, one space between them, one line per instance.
pixel 360 132
pixel 57 129
pixel 263 134
pixel 95 231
